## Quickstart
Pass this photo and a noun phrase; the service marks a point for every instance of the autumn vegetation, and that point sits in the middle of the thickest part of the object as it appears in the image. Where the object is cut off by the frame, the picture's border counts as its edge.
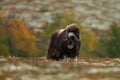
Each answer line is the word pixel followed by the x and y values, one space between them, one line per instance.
pixel 17 39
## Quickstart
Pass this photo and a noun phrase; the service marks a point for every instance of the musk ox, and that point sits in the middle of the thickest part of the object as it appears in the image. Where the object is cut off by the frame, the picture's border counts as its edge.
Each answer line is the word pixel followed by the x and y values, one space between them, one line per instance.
pixel 65 43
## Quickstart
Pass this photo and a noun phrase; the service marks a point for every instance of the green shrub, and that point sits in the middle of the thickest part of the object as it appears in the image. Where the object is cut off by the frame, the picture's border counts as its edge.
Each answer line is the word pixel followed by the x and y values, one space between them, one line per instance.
pixel 109 45
pixel 113 44
pixel 4 50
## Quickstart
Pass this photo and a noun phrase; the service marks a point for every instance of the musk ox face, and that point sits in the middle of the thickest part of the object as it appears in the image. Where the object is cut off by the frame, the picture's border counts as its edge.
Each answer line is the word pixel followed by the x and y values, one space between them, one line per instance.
pixel 65 43
pixel 71 40
pixel 73 34
pixel 73 29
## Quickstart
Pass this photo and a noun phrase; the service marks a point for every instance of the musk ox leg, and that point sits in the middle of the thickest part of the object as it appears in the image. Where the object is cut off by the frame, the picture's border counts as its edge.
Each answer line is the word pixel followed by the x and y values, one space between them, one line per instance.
pixel 76 58
pixel 66 59
pixel 49 54
pixel 54 54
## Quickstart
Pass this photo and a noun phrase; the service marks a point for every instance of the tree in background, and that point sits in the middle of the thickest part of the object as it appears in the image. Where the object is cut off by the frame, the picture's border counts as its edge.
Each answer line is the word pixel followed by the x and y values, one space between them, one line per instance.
pixel 109 42
pixel 16 38
pixel 113 43
pixel 89 42
pixel 4 50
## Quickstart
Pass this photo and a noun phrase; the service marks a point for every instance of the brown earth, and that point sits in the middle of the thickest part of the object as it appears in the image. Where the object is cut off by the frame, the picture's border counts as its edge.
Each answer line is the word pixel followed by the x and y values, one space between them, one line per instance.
pixel 15 68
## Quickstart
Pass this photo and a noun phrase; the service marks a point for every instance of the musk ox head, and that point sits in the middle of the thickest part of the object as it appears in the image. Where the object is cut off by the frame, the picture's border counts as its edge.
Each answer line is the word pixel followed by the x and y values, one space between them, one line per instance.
pixel 72 35
pixel 65 42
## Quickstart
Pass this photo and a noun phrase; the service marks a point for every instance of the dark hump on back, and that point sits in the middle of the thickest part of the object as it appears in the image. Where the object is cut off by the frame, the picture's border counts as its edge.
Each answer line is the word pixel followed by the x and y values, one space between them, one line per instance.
pixel 72 27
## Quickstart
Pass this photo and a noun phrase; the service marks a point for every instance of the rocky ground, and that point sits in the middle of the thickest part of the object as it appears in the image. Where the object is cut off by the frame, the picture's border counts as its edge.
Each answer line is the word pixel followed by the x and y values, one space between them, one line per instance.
pixel 15 68
pixel 96 13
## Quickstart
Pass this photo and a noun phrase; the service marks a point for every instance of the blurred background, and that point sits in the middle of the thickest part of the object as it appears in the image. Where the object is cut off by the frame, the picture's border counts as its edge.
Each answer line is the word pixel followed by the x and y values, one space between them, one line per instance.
pixel 27 25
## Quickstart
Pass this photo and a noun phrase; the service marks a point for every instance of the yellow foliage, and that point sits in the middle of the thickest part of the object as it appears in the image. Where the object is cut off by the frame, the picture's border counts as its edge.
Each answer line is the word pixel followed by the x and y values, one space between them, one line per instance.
pixel 20 35
pixel 89 41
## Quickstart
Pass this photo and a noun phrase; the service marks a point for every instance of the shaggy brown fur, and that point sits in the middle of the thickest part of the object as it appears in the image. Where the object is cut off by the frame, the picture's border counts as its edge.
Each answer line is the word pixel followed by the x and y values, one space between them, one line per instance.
pixel 65 43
